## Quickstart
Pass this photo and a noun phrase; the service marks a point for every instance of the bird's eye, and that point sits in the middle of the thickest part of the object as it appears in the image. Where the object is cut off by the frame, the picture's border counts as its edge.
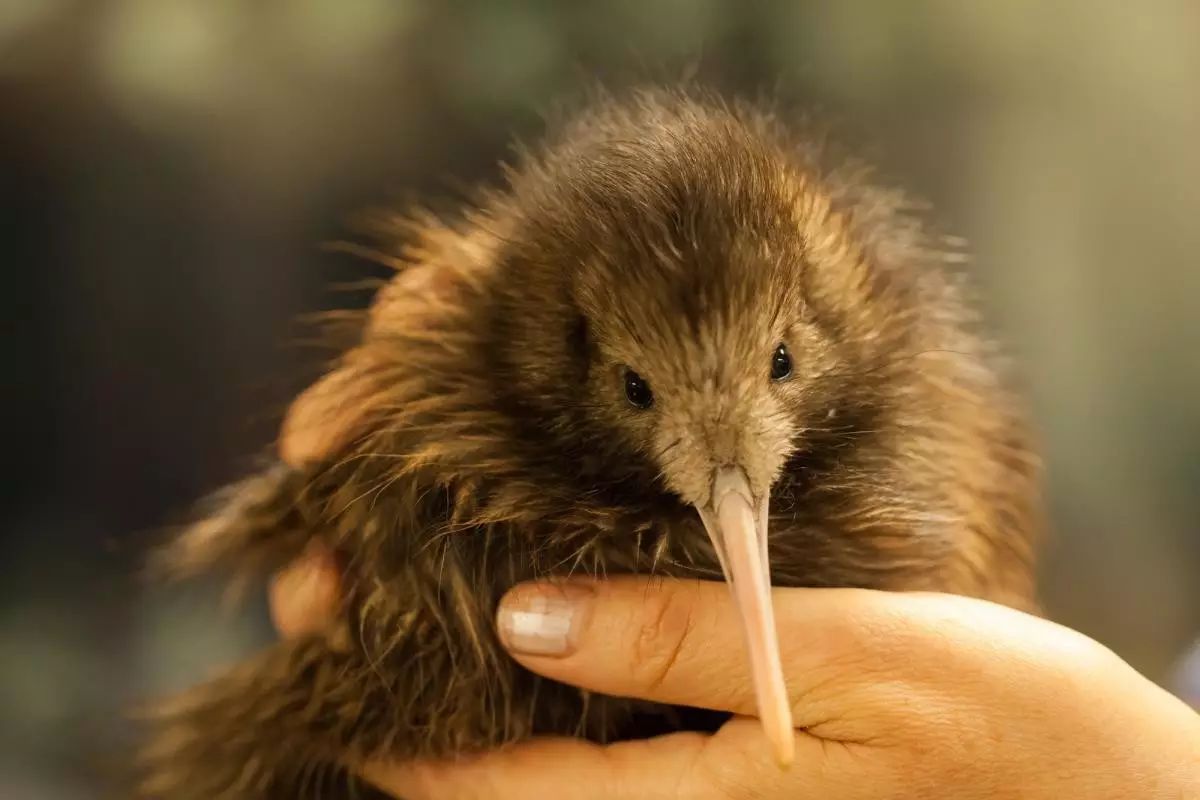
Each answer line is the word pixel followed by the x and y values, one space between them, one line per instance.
pixel 781 363
pixel 637 391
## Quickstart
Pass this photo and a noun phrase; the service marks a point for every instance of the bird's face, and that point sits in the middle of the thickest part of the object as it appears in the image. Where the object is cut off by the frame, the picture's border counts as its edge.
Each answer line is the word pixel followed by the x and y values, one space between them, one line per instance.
pixel 695 396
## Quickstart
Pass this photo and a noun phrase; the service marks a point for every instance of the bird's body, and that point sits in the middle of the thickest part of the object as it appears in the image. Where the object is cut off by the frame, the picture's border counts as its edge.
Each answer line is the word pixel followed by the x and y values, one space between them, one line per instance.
pixel 671 289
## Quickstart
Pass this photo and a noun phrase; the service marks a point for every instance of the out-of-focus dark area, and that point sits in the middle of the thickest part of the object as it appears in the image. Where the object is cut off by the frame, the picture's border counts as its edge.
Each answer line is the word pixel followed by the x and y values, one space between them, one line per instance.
pixel 170 169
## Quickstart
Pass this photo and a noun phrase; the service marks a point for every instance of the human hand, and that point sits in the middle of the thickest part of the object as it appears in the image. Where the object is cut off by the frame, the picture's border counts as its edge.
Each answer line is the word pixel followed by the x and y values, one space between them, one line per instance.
pixel 894 695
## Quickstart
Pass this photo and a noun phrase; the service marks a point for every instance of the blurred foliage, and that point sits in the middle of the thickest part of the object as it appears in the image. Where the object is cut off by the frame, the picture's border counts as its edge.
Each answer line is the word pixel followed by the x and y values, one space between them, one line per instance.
pixel 170 166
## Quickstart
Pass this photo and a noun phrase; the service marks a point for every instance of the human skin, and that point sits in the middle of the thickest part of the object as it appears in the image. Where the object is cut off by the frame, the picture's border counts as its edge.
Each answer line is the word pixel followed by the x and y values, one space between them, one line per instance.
pixel 894 695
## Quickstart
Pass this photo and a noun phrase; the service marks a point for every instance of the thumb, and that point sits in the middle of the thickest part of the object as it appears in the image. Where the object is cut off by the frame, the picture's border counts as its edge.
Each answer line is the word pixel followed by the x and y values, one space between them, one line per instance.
pixel 669 641
pixel 680 642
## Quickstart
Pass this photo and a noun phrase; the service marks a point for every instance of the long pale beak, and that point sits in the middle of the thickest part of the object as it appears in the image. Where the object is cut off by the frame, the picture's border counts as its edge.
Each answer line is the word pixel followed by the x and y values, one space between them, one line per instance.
pixel 737 526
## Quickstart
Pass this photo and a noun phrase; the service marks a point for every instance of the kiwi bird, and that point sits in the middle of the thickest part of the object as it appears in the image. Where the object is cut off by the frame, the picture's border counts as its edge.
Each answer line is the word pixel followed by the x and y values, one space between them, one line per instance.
pixel 683 338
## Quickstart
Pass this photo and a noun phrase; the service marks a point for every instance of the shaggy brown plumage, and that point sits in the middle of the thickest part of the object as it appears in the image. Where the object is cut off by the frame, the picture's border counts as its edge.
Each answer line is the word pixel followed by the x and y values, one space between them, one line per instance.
pixel 482 433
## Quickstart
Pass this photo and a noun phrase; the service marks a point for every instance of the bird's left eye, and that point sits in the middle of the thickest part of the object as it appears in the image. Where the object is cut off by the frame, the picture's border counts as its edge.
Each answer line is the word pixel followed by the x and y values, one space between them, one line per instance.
pixel 637 391
pixel 781 363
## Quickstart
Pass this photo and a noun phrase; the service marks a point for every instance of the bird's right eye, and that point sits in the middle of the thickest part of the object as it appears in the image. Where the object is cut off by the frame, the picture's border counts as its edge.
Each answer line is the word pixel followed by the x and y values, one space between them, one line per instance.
pixel 637 391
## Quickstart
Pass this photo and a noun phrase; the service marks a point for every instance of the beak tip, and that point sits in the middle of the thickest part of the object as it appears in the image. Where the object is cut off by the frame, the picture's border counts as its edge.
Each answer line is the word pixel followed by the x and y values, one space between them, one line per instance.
pixel 785 750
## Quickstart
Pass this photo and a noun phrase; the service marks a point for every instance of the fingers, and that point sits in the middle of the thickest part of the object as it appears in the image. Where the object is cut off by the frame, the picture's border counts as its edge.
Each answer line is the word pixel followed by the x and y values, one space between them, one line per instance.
pixel 329 414
pixel 565 769
pixel 305 596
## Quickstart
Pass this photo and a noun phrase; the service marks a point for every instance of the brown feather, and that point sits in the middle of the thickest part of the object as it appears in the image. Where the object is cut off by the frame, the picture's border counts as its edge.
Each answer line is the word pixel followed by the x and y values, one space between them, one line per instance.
pixel 476 437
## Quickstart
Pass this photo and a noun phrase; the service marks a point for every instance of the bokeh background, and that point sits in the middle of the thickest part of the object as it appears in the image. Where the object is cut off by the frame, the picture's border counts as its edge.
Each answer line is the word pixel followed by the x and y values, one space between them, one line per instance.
pixel 169 169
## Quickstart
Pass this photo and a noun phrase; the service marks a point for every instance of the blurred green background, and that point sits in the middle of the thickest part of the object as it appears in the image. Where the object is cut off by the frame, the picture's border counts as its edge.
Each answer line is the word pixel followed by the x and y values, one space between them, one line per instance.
pixel 170 167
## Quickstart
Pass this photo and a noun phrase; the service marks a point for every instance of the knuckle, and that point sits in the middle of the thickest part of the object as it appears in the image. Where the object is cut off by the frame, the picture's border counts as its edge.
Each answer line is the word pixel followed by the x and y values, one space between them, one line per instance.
pixel 662 638
pixel 863 653
pixel 872 638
